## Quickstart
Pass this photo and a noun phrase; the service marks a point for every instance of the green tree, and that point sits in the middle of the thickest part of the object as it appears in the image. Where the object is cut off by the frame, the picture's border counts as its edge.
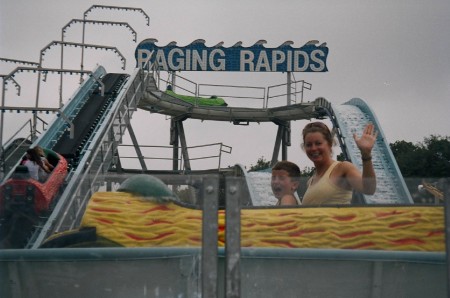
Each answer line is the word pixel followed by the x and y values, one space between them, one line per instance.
pixel 307 171
pixel 261 164
pixel 437 156
pixel 410 158
pixel 429 159
pixel 340 157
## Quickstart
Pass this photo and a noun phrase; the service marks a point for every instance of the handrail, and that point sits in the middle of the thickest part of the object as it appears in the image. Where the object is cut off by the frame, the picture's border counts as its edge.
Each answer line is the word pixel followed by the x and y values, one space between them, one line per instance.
pixel 222 149
pixel 44 123
pixel 304 86
pixel 14 136
pixel 154 69
pixel 28 136
pixel 195 93
pixel 298 86
pixel 157 76
pixel 233 96
pixel 3 157
pixel 436 192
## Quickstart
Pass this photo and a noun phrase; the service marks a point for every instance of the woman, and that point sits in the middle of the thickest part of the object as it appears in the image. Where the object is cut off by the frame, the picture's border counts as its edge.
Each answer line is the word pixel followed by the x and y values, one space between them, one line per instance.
pixel 333 182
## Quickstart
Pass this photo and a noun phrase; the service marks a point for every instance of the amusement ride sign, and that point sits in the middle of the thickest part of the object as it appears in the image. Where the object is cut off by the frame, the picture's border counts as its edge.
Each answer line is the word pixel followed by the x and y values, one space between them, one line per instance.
pixel 257 58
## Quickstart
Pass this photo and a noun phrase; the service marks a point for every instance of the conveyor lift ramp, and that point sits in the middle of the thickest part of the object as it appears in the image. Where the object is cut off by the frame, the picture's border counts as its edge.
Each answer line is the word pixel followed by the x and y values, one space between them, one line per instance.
pixel 97 160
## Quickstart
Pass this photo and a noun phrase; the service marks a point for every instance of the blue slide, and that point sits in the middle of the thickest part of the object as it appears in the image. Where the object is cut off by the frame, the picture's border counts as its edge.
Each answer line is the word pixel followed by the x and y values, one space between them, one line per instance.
pixel 351 117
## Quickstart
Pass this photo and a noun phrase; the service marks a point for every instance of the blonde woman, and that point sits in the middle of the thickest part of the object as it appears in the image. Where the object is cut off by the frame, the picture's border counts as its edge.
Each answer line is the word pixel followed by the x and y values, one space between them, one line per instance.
pixel 333 182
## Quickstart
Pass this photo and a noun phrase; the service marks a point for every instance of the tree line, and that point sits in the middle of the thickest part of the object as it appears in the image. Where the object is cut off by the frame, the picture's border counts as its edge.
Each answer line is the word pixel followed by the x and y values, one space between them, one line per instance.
pixel 427 161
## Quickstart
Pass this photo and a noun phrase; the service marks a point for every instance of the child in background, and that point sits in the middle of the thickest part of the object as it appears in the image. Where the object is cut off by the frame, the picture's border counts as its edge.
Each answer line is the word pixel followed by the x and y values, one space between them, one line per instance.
pixel 36 168
pixel 41 153
pixel 285 181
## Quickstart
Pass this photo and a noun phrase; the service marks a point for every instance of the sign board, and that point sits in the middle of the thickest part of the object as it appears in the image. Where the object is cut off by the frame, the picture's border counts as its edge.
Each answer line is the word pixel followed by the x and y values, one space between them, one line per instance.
pixel 257 58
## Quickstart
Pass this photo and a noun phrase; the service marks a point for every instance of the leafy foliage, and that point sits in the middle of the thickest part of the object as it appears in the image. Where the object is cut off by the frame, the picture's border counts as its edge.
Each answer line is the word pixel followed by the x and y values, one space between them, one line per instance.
pixel 429 159
pixel 307 171
pixel 340 157
pixel 261 164
pixel 426 161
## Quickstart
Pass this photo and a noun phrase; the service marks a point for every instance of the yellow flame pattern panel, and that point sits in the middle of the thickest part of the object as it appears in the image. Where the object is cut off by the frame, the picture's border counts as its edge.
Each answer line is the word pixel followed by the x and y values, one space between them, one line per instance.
pixel 133 221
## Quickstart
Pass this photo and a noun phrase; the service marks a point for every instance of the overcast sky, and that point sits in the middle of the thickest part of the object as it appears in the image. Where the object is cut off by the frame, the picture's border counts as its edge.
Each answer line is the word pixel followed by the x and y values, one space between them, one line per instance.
pixel 392 54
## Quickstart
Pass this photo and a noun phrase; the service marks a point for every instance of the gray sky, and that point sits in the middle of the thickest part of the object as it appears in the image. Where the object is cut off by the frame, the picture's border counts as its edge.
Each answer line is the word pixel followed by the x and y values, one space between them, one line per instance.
pixel 392 54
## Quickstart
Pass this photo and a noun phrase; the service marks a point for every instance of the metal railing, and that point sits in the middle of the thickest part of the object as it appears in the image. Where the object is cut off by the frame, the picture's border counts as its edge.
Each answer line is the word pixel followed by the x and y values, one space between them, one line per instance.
pixel 229 87
pixel 222 148
pixel 296 88
pixel 24 133
pixel 172 79
pixel 20 131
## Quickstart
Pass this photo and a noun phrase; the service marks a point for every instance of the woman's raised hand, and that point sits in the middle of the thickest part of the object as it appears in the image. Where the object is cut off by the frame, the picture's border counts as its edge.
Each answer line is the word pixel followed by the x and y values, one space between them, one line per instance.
pixel 367 140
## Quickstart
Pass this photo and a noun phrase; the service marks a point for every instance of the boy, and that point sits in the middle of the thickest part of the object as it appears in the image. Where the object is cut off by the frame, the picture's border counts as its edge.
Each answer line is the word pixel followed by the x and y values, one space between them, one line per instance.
pixel 285 181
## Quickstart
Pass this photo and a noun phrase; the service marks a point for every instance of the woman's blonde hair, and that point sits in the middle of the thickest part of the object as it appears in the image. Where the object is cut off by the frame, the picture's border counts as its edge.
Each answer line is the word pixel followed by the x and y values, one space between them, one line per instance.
pixel 321 128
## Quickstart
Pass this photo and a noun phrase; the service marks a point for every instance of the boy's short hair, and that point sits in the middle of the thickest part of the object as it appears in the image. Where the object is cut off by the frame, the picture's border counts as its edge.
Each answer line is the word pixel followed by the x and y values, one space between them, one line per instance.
pixel 290 167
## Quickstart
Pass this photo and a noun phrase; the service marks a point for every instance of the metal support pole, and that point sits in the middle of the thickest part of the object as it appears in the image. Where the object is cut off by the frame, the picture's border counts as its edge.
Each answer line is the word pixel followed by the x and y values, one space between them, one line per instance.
pixel 288 86
pixel 72 126
pixel 173 81
pixel 118 164
pixel 233 238
pixel 62 67
pixel 184 151
pixel 2 118
pixel 287 131
pixel 136 147
pixel 82 41
pixel 447 229
pixel 276 149
pixel 284 146
pixel 209 236
pixel 286 140
pixel 33 134
pixel 175 143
